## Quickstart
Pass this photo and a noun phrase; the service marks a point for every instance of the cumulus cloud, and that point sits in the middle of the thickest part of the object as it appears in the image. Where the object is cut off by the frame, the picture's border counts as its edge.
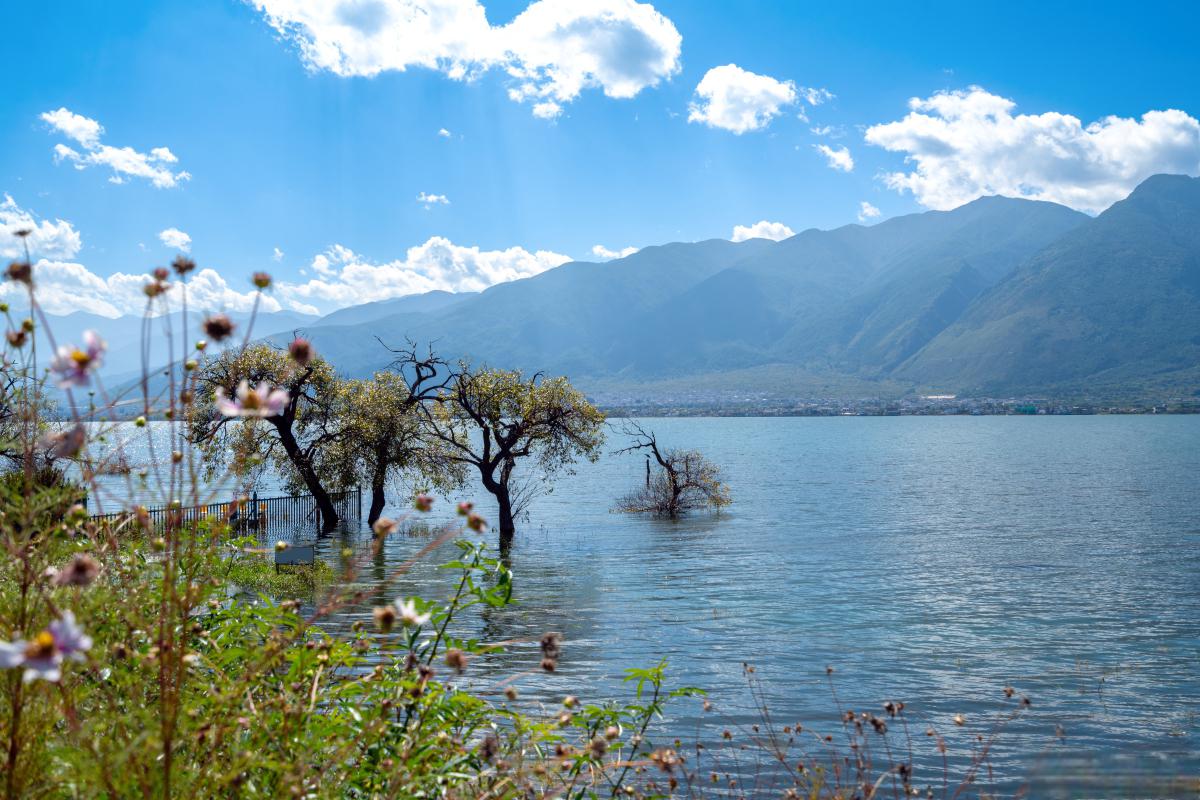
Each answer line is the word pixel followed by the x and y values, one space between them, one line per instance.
pixel 345 278
pixel 63 285
pixel 775 231
pixel 600 251
pixel 176 239
pixel 431 200
pixel 738 100
pixel 125 162
pixel 46 239
pixel 867 211
pixel 551 52
pixel 839 158
pixel 66 286
pixel 969 143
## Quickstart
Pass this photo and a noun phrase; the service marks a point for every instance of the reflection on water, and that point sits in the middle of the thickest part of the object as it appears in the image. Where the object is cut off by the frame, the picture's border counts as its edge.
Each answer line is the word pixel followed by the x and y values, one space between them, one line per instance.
pixel 932 560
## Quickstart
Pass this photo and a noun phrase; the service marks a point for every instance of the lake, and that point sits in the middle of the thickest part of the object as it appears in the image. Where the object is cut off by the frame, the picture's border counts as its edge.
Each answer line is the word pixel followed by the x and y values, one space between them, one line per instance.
pixel 933 560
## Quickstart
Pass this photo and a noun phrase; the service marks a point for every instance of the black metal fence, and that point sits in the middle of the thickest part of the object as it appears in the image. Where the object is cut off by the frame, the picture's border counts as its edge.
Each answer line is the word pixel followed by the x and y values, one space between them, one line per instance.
pixel 278 517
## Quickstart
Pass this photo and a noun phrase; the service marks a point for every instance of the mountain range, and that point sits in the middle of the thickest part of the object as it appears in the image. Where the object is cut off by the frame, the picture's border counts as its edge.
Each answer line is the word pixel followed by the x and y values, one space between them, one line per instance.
pixel 998 297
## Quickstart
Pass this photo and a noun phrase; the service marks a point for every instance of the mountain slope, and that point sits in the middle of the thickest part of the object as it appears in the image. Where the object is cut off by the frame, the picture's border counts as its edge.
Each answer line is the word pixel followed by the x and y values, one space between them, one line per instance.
pixel 1113 305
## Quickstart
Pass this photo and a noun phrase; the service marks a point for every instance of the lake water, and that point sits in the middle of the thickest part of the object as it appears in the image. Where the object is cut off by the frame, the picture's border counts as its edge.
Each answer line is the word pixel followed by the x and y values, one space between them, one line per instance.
pixel 933 560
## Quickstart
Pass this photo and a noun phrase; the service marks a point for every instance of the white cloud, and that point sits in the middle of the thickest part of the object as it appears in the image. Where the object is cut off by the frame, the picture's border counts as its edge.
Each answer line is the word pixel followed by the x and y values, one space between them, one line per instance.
pixel 277 255
pixel 65 286
pixel 775 231
pixel 867 211
pixel 349 279
pixel 552 51
pixel 966 144
pixel 445 134
pixel 176 239
pixel 125 162
pixel 839 158
pixel 737 100
pixel 430 200
pixel 600 251
pixel 815 97
pixel 46 239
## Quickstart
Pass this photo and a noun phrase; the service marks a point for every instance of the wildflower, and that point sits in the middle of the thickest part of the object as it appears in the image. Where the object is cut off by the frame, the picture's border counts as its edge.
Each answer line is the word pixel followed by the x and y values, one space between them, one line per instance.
pixel 456 659
pixel 154 289
pixel 183 265
pixel 599 747
pixel 409 616
pixel 218 327
pixel 423 502
pixel 385 526
pixel 464 508
pixel 959 719
pixel 262 401
pixel 385 617
pixel 65 444
pixel 476 523
pixel 74 365
pixel 489 747
pixel 261 280
pixel 510 693
pixel 612 732
pixel 551 644
pixel 42 658
pixel 21 272
pixel 301 351
pixel 161 274
pixel 82 570
pixel 16 338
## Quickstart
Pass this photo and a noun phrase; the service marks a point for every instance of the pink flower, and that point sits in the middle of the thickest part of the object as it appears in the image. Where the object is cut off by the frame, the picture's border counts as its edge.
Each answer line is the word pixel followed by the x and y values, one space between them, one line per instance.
pixel 74 365
pixel 423 502
pixel 43 657
pixel 261 401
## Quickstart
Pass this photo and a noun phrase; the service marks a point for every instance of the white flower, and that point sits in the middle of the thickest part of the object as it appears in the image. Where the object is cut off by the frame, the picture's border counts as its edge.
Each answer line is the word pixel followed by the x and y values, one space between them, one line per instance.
pixel 42 658
pixel 409 617
pixel 74 365
pixel 261 401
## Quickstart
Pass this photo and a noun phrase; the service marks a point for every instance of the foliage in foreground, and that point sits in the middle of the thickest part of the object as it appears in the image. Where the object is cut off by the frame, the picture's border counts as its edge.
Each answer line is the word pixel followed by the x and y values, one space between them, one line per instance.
pixel 133 663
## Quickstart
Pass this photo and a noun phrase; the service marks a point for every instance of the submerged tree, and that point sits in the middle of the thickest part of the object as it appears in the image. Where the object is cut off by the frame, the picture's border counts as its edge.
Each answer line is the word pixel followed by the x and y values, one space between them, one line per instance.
pixel 489 419
pixel 381 435
pixel 684 480
pixel 294 394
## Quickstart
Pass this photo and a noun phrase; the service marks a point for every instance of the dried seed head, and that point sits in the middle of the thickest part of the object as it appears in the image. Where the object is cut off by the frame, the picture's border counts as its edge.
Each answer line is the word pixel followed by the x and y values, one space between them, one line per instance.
pixel 183 265
pixel 385 617
pixel 82 570
pixel 218 327
pixel 456 659
pixel 510 693
pixel 599 747
pixel 160 274
pixel 261 280
pixel 301 351
pixel 21 272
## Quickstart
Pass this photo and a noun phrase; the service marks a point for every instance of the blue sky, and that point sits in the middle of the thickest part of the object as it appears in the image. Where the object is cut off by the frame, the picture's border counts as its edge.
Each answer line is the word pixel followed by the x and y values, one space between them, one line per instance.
pixel 283 152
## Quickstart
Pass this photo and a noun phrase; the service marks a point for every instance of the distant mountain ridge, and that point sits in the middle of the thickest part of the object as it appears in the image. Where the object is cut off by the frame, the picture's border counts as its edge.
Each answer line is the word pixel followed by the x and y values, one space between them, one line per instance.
pixel 998 297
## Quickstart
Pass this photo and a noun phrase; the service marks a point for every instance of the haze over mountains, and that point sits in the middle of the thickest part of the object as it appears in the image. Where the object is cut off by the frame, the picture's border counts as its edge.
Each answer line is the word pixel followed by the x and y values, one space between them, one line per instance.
pixel 998 297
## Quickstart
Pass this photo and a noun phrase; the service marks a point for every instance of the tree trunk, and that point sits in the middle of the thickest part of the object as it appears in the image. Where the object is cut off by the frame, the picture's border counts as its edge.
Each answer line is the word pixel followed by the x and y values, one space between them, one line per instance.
pixel 329 515
pixel 507 526
pixel 377 502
